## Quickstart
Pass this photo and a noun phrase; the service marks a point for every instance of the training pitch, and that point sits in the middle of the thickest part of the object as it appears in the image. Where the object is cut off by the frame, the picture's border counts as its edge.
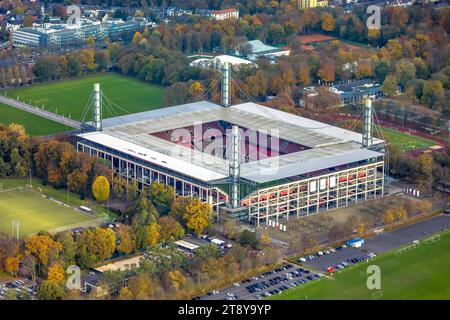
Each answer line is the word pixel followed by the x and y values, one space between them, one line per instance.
pixel 69 98
pixel 35 213
pixel 406 142
pixel 413 272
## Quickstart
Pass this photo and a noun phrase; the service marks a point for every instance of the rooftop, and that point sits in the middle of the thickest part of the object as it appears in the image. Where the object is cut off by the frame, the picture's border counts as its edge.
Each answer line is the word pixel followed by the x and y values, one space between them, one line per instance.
pixel 327 145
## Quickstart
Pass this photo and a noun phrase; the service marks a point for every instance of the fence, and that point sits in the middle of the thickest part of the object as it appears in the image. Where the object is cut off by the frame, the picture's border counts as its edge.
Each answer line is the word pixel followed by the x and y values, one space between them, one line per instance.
pixel 86 224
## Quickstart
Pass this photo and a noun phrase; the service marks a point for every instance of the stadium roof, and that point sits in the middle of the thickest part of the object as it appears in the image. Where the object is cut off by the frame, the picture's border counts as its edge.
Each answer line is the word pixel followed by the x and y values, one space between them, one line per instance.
pixel 329 146
pixel 219 61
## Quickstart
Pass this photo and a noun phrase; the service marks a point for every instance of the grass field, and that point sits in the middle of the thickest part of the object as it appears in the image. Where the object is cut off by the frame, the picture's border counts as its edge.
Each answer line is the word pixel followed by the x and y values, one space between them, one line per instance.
pixel 35 213
pixel 419 273
pixel 34 125
pixel 406 142
pixel 58 194
pixel 70 96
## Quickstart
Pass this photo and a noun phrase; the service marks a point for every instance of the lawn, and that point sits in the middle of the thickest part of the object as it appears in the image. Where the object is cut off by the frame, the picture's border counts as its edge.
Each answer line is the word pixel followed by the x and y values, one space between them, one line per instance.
pixel 419 273
pixel 69 97
pixel 35 125
pixel 35 213
pixel 58 194
pixel 404 141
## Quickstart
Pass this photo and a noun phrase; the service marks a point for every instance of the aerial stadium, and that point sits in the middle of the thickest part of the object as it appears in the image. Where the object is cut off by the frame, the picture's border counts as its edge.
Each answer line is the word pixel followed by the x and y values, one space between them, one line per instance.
pixel 248 161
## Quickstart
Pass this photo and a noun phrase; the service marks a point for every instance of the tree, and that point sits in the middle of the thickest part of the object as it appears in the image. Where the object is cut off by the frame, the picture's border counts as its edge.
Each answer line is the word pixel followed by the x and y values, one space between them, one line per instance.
pixel 90 41
pixel 125 294
pixel 171 229
pixel 153 234
pixel 326 71
pixel 68 248
pixel 94 245
pixel 12 265
pixel 141 286
pixel 425 172
pixel 248 238
pixel 196 89
pixel 176 278
pixel 388 216
pixel 56 274
pixel 265 239
pixel 363 70
pixel 162 196
pixel 327 22
pixel 137 37
pixel 304 76
pixel 230 228
pixel 43 247
pixel 433 93
pixel 100 189
pixel 404 71
pixel 198 216
pixel 50 290
pixel 126 244
pixel 389 86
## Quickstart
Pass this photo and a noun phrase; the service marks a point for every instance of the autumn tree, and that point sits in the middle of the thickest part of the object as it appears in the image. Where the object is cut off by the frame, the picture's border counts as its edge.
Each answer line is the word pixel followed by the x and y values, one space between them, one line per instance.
pixel 125 294
pixel 389 86
pixel 327 22
pixel 125 239
pixel 56 273
pixel 12 265
pixel 171 229
pixel 43 248
pixel 425 172
pixel 198 216
pixel 326 71
pixel 154 234
pixel 176 279
pixel 100 188
pixel 94 245
pixel 433 93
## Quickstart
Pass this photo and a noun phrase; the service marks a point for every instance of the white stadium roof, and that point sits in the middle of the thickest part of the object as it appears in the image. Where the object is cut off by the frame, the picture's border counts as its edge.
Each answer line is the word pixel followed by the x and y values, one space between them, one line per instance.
pixel 329 145
pixel 218 61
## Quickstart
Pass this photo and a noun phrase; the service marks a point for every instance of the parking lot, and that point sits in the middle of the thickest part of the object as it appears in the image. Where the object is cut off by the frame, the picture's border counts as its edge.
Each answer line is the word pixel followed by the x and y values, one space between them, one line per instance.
pixel 383 242
pixel 22 287
pixel 264 285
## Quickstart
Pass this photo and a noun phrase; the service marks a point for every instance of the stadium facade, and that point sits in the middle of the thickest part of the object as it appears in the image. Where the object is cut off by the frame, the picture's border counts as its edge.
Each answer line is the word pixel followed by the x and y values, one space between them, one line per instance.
pixel 249 161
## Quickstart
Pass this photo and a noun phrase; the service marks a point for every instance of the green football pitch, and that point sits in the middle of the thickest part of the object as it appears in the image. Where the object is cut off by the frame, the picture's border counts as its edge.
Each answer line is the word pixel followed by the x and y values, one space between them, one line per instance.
pixel 406 142
pixel 35 213
pixel 419 273
pixel 69 98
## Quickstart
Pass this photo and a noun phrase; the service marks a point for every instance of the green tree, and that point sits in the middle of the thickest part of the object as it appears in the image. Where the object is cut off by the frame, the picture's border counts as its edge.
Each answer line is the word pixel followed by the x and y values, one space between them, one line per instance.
pixel 248 238
pixel 389 86
pixel 50 290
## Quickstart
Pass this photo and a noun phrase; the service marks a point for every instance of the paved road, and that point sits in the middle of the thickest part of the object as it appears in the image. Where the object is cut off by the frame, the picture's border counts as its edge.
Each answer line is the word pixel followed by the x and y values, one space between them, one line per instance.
pixel 39 112
pixel 385 241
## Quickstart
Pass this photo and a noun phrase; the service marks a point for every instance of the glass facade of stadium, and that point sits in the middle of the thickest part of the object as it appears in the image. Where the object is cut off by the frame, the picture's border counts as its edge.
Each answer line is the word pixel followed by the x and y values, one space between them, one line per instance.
pixel 277 200
pixel 145 173
pixel 316 191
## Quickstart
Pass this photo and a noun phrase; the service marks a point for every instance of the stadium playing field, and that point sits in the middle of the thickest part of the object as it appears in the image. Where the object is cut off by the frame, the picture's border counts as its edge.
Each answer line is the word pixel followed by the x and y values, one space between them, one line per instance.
pixel 35 213
pixel 419 273
pixel 406 142
pixel 71 96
